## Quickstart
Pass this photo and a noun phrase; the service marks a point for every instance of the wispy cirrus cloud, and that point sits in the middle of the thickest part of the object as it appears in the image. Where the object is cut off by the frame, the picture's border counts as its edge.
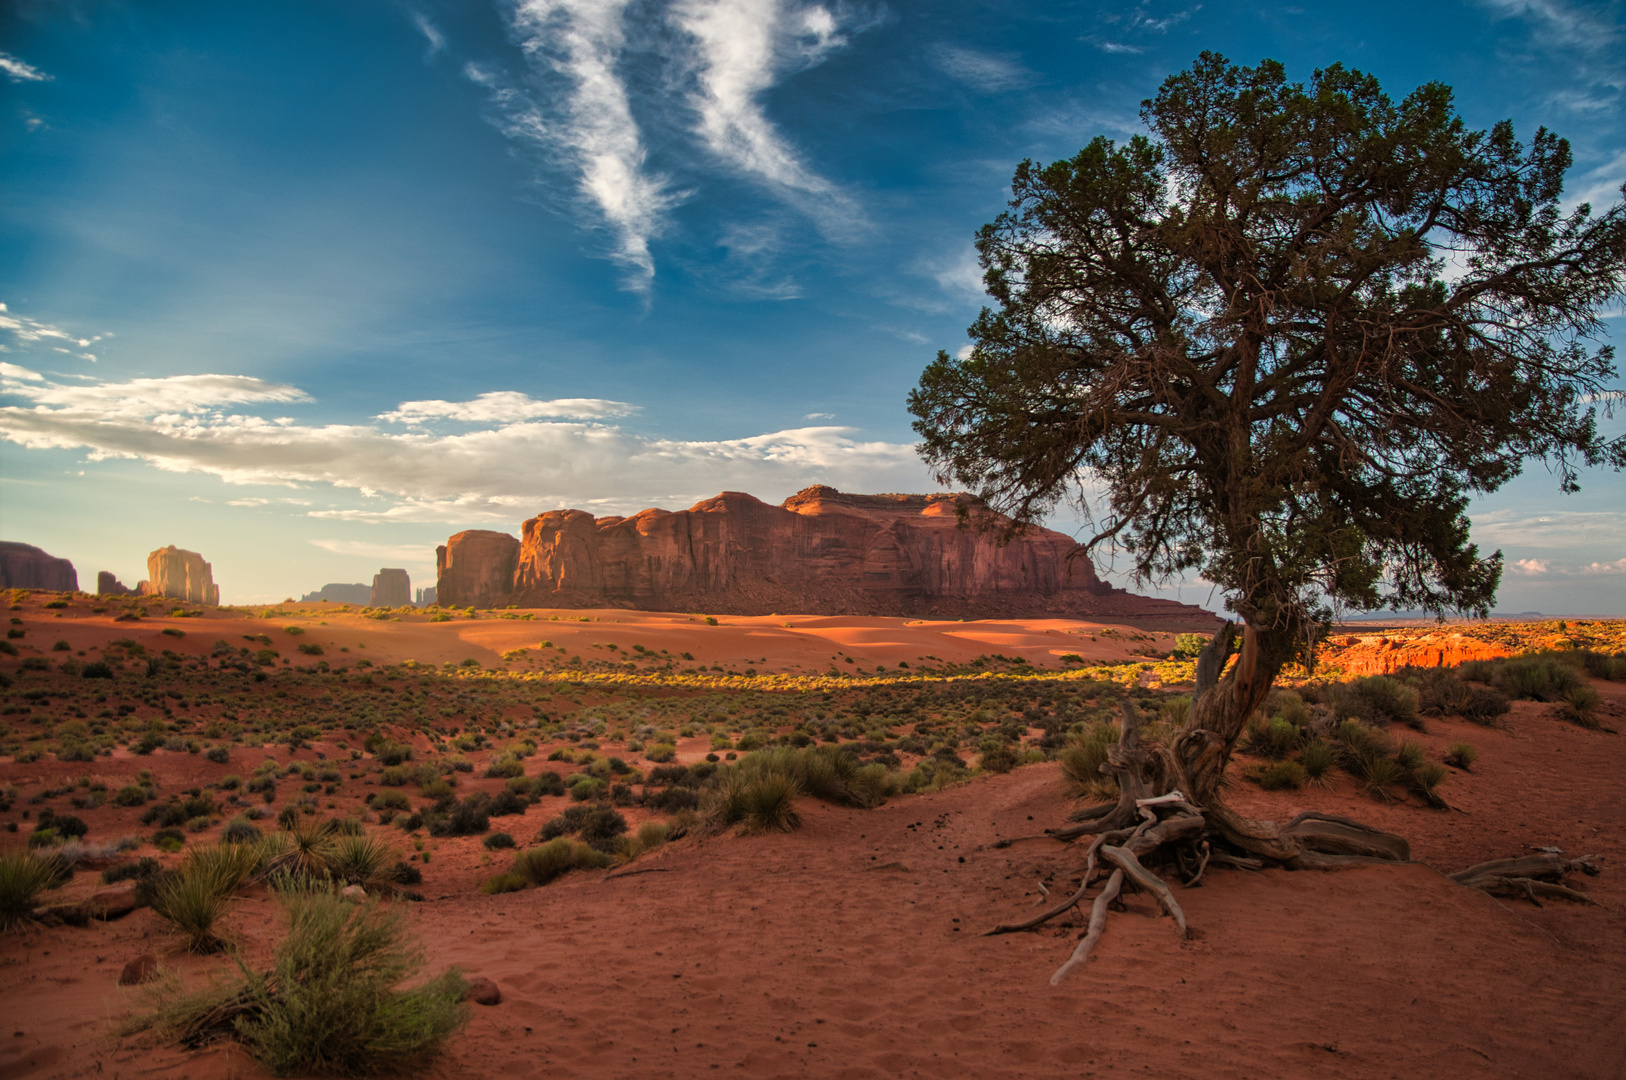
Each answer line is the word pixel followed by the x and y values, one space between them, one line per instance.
pixel 507 467
pixel 578 46
pixel 1557 22
pixel 741 49
pixel 22 331
pixel 20 71
pixel 987 72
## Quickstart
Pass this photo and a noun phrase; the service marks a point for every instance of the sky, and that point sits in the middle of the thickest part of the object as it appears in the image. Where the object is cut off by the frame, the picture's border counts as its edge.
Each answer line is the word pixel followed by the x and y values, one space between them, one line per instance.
pixel 308 287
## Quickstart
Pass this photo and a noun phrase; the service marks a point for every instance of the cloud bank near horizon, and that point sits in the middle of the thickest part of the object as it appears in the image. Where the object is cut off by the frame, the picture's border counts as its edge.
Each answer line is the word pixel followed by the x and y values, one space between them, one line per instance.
pixel 519 455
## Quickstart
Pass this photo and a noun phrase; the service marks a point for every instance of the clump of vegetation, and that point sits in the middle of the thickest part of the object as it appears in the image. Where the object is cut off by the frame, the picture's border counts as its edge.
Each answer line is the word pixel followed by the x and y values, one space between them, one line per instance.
pixel 540 865
pixel 1082 758
pixel 1461 756
pixel 193 898
pixel 331 1001
pixel 1280 775
pixel 23 876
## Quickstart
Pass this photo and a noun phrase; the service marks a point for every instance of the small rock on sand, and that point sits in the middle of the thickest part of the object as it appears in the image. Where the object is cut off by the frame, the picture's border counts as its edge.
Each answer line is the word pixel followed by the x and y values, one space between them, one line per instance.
pixel 353 892
pixel 139 970
pixel 483 991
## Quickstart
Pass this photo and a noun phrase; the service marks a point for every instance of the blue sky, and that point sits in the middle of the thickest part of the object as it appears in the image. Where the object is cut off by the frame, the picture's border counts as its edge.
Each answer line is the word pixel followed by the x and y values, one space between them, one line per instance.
pixel 307 287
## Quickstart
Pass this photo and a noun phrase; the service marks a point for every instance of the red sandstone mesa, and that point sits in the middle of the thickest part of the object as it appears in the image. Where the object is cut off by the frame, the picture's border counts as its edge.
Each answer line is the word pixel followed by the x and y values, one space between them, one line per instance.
pixel 182 575
pixel 820 552
pixel 24 566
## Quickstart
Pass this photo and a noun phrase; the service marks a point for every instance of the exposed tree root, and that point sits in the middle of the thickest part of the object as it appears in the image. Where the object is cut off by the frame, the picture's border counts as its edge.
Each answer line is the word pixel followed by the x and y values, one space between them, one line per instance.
pixel 1098 923
pixel 1529 876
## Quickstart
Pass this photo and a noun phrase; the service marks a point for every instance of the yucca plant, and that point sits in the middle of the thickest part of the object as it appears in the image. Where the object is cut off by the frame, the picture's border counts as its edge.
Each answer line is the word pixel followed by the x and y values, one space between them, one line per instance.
pixel 360 860
pixel 23 876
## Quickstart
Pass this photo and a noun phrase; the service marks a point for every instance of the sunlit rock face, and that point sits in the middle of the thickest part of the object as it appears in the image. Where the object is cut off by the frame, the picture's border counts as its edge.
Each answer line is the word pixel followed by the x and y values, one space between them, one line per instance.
pixel 819 552
pixel 24 566
pixel 180 575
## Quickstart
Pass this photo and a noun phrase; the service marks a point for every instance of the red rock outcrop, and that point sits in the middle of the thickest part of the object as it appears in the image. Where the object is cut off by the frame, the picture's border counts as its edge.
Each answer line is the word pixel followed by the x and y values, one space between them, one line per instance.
pixel 24 566
pixel 1378 654
pixel 820 552
pixel 109 585
pixel 391 588
pixel 182 575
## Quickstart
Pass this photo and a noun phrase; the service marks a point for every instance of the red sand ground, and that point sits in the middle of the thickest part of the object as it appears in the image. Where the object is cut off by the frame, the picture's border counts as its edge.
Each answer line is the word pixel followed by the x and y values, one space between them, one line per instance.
pixel 852 948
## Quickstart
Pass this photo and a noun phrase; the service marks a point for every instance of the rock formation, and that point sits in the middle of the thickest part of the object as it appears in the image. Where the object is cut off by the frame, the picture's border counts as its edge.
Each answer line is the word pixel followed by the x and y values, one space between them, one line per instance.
pixel 391 588
pixel 108 585
pixel 425 597
pixel 337 593
pixel 24 566
pixel 820 552
pixel 1380 654
pixel 181 575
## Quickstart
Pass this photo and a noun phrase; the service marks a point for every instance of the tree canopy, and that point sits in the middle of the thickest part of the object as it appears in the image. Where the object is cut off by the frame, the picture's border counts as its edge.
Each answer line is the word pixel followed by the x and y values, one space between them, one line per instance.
pixel 1286 336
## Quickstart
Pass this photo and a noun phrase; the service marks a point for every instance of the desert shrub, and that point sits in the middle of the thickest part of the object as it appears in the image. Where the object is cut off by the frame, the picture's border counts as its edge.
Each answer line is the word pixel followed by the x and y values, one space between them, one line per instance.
pixel 1484 705
pixel 1537 678
pixel 67 826
pixel 506 802
pixel 505 766
pixel 541 865
pixel 664 775
pixel 1318 758
pixel 1429 775
pixel 998 757
pixel 1604 665
pixel 361 860
pixel 392 753
pixel 1410 756
pixel 218 754
pixel 871 785
pixel 671 800
pixel 169 839
pixel 141 868
pixel 1274 739
pixel 503 883
pixel 130 795
pixel 664 752
pixel 1577 704
pixel 1174 711
pixel 404 873
pixel 1286 705
pixel 329 1004
pixel 1081 760
pixel 23 876
pixel 192 901
pixel 1389 700
pixel 652 834
pixel 497 841
pixel 1441 693
pixel 307 844
pixel 548 783
pixel 239 832
pixel 1380 774
pixel 472 815
pixel 586 787
pixel 1280 775
pixel 1461 755
pixel 389 800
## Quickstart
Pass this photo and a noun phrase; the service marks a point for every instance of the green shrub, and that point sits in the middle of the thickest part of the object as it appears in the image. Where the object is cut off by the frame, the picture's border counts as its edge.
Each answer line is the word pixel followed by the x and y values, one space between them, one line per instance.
pixel 1274 739
pixel 1081 760
pixel 389 800
pixel 1461 755
pixel 1429 775
pixel 505 766
pixel 662 752
pixel 330 1002
pixel 23 876
pixel 1388 700
pixel 1579 704
pixel 652 834
pixel 1280 775
pixel 130 795
pixel 361 860
pixel 998 757
pixel 541 865
pixel 218 754
pixel 1410 756
pixel 503 883
pixel 1318 758
pixel 193 901
pixel 1484 704
pixel 498 840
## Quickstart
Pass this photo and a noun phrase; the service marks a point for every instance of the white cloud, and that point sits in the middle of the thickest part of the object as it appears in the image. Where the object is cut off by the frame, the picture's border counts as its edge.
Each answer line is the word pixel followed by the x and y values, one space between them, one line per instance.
pixel 742 48
pixel 981 71
pixel 504 471
pixel 1530 567
pixel 1616 567
pixel 173 395
pixel 1558 22
pixel 1558 529
pixel 396 553
pixel 819 416
pixel 248 502
pixel 1118 47
pixel 430 32
pixel 31 332
pixel 18 71
pixel 581 42
pixel 506 406
pixel 12 371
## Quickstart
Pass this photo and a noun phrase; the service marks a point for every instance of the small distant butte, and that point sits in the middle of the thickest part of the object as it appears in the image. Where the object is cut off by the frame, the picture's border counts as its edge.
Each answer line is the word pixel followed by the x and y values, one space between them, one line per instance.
pixel 820 552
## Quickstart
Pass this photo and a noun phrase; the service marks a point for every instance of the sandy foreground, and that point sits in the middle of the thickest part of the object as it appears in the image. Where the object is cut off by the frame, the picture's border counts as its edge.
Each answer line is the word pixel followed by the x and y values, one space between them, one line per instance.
pixel 853 947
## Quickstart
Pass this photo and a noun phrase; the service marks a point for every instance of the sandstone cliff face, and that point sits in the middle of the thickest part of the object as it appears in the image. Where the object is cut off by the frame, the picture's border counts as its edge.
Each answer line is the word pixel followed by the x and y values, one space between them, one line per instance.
pixel 391 588
pixel 1380 655
pixel 109 585
pixel 820 552
pixel 182 575
pixel 24 566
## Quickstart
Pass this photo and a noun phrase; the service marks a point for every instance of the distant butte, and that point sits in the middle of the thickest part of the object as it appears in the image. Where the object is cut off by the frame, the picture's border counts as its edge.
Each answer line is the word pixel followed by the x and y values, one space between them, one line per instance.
pixel 820 552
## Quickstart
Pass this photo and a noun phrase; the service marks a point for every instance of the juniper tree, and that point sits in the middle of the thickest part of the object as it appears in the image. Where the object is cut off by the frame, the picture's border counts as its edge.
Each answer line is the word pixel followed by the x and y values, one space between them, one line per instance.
pixel 1283 337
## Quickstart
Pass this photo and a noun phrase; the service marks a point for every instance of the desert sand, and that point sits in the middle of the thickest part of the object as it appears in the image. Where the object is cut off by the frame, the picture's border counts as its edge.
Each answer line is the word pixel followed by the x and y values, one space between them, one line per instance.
pixel 853 948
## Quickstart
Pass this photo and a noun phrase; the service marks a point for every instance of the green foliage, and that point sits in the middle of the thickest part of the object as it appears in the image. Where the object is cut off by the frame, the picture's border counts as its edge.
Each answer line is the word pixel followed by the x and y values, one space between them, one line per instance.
pixel 1318 759
pixel 1280 775
pixel 1579 704
pixel 331 1002
pixel 1461 756
pixel 503 883
pixel 1232 326
pixel 23 876
pixel 1082 758
pixel 540 865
